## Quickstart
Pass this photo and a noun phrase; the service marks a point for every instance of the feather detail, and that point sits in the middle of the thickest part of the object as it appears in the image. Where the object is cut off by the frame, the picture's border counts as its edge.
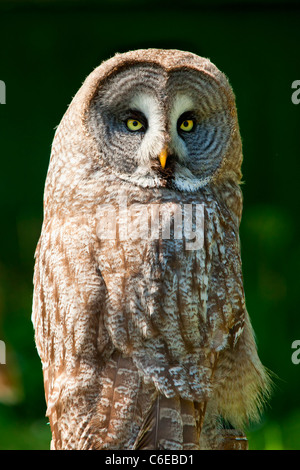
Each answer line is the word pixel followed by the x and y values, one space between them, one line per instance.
pixel 163 427
pixel 170 424
pixel 148 435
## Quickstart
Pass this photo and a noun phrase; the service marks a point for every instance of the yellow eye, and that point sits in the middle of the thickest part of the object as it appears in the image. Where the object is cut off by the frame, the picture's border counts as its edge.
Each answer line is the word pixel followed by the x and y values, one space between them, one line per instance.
pixel 134 124
pixel 187 125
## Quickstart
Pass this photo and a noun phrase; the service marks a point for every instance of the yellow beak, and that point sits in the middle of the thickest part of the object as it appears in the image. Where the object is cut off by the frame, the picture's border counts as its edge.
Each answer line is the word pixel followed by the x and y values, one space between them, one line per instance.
pixel 163 157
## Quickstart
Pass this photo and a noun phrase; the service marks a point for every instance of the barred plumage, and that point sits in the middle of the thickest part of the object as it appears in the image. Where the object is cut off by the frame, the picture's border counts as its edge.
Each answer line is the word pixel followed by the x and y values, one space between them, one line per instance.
pixel 145 339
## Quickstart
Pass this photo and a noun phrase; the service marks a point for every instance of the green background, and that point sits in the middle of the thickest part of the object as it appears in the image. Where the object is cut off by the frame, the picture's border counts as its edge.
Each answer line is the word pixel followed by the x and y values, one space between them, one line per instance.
pixel 46 51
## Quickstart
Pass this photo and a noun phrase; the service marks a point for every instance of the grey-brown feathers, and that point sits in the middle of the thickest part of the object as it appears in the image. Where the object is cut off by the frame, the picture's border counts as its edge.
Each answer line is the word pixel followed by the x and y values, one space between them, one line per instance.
pixel 144 335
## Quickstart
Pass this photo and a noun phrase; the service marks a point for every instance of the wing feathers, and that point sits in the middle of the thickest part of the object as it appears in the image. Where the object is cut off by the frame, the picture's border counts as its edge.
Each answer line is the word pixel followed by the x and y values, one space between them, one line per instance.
pixel 170 424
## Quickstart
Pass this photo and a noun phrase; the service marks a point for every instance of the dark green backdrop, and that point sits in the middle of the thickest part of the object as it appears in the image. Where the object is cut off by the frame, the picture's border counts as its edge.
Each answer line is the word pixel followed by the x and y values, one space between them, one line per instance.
pixel 46 51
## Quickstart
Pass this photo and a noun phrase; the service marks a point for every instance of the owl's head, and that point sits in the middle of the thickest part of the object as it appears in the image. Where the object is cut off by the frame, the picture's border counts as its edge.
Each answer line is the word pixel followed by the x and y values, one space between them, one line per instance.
pixel 164 118
pixel 156 118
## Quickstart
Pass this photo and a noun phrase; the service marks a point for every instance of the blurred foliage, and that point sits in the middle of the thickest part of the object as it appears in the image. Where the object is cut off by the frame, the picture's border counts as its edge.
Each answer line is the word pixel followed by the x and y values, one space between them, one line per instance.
pixel 47 49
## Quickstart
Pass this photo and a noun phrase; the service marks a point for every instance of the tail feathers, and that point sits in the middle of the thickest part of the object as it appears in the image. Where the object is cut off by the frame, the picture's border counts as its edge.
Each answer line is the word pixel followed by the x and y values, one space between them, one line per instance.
pixel 191 414
pixel 170 424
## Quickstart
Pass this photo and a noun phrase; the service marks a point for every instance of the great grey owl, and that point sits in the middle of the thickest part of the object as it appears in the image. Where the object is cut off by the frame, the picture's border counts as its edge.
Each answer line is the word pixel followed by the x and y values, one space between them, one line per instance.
pixel 139 311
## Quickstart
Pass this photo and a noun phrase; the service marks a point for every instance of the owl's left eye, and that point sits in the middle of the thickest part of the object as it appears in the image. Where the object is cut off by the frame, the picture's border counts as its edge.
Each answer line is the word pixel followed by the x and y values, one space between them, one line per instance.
pixel 186 122
pixel 134 124
pixel 187 125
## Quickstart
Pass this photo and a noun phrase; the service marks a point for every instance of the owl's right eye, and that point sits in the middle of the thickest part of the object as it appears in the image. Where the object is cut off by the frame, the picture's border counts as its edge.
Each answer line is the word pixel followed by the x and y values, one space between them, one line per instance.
pixel 134 125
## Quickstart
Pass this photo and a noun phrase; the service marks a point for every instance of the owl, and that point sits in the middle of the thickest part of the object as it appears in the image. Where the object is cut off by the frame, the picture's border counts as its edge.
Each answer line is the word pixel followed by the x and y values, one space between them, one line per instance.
pixel 139 308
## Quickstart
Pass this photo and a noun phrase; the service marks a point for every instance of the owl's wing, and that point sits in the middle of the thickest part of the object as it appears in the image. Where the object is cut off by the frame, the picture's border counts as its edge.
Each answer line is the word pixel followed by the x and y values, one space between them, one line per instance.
pixel 65 316
pixel 86 382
